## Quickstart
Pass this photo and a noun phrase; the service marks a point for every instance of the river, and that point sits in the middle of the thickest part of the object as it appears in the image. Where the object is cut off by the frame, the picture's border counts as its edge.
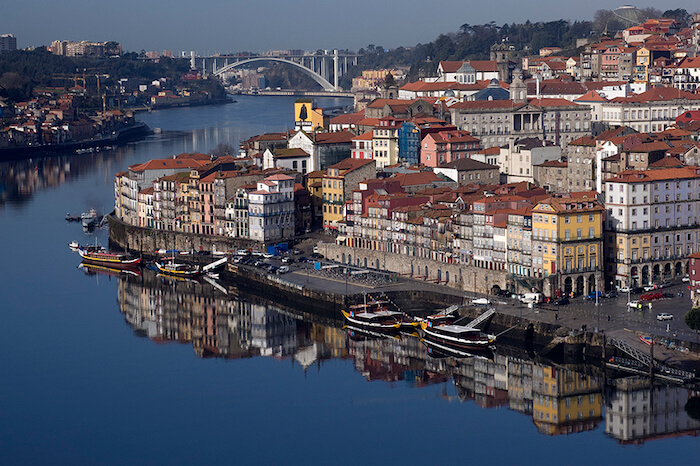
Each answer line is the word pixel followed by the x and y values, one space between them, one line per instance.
pixel 101 369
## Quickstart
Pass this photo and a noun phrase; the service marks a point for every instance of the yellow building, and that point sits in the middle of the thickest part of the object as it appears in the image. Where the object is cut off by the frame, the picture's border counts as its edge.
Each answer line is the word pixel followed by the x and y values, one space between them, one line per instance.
pixel 567 233
pixel 641 70
pixel 338 184
pixel 306 117
pixel 564 401
pixel 385 142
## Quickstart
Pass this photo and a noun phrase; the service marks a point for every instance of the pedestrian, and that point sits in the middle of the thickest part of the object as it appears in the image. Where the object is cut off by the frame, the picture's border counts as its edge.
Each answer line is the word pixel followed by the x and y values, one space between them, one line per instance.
pixel 556 316
pixel 608 318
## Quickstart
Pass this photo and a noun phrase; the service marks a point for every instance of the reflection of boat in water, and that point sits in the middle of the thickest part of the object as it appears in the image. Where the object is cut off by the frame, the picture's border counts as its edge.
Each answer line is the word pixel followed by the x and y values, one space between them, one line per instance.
pixel 459 337
pixel 359 333
pixel 178 269
pixel 109 259
pixel 439 350
pixel 93 269
pixel 72 218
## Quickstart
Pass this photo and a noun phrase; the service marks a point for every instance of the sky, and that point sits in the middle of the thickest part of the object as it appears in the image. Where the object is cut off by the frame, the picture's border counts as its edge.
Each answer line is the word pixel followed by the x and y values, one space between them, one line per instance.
pixel 220 26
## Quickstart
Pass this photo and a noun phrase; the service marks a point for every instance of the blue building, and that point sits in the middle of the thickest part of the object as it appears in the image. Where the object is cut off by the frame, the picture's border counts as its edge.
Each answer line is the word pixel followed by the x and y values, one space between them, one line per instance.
pixel 409 143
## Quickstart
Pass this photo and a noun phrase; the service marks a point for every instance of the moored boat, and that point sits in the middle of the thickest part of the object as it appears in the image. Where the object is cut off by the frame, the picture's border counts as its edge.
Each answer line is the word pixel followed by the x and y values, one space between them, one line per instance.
pixel 376 306
pixel 457 336
pixel 110 259
pixel 380 320
pixel 444 317
pixel 178 269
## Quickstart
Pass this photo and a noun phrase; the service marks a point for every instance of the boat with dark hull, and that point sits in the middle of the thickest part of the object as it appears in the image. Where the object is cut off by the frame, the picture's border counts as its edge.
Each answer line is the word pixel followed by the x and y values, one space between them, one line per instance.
pixel 458 337
pixel 403 320
pixel 385 321
pixel 101 256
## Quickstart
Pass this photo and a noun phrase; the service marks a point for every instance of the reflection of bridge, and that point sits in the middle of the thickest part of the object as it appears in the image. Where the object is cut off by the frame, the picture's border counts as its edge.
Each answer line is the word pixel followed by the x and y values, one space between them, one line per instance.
pixel 320 66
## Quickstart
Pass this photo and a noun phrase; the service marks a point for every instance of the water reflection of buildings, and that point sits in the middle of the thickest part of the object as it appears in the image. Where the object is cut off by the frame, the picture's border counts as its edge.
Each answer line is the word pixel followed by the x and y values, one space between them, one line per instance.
pixel 637 411
pixel 219 326
pixel 558 399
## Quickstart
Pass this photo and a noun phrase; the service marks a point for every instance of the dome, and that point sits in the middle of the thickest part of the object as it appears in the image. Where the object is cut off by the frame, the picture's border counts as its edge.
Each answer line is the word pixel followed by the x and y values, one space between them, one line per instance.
pixel 494 83
pixel 449 93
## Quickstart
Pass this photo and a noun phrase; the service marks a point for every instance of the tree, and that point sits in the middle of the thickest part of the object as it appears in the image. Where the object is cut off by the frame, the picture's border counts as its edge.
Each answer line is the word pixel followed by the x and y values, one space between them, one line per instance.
pixel 223 149
pixel 692 318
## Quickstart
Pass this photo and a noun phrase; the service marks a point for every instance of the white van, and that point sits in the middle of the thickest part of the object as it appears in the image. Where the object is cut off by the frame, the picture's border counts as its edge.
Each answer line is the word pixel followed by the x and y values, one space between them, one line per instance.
pixel 532 298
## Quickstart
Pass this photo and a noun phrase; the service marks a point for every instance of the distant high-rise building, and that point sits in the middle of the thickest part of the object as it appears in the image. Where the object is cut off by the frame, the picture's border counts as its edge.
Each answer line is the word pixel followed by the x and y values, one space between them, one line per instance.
pixel 8 43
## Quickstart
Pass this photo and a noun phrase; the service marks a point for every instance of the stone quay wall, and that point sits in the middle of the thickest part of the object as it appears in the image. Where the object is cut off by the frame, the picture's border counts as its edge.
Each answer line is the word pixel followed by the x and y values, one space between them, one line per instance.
pixel 457 276
pixel 147 241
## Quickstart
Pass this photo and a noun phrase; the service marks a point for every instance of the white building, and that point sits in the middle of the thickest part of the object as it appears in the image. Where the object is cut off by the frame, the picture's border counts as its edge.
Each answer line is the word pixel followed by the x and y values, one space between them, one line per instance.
pixel 271 209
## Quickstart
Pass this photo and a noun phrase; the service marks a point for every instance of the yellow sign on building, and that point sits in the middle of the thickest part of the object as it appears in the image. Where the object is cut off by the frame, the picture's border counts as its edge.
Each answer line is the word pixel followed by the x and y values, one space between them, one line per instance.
pixel 307 117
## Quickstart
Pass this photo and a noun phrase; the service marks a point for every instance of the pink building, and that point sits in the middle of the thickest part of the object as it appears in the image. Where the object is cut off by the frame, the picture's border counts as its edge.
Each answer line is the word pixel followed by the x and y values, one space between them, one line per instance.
pixel 446 146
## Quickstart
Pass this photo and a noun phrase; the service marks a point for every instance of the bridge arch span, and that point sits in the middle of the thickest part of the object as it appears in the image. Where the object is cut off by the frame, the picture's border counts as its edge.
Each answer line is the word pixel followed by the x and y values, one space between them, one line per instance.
pixel 327 86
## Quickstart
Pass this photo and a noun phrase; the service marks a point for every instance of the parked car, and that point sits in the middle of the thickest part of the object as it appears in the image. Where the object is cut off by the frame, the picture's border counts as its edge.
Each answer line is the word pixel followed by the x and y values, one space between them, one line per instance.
pixel 685 279
pixel 562 302
pixel 316 255
pixel 611 294
pixel 625 289
pixel 242 252
pixel 287 260
pixel 634 305
pixel 283 269
pixel 481 301
pixel 267 255
pixel 315 250
pixel 594 295
pixel 664 316
pixel 297 251
pixel 649 287
pixel 666 283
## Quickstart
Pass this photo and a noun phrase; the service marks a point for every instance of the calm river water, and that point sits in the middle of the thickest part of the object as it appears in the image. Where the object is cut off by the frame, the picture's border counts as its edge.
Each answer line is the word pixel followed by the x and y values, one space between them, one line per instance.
pixel 99 369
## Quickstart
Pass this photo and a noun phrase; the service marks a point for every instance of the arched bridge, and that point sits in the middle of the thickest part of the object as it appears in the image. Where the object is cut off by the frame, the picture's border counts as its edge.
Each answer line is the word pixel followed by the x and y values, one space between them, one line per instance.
pixel 327 86
pixel 320 66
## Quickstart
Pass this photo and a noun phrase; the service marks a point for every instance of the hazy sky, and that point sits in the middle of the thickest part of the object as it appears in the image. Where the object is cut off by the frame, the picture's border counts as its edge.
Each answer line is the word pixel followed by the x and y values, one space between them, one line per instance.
pixel 258 25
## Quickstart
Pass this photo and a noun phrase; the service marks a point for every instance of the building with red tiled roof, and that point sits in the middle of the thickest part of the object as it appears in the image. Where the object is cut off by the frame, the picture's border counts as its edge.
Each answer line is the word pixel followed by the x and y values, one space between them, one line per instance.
pixel 445 146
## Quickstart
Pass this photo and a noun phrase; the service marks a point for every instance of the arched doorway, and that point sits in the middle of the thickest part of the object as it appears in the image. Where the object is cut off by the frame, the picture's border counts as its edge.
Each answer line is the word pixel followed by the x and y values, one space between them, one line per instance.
pixel 579 286
pixel 635 276
pixel 591 284
pixel 667 271
pixel 645 275
pixel 679 268
pixel 568 286
pixel 656 276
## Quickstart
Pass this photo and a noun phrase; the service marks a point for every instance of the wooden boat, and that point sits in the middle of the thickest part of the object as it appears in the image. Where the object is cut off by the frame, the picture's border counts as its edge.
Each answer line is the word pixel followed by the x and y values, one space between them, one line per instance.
pixel 178 269
pixel 444 317
pixel 380 320
pixel 375 306
pixel 458 337
pixel 110 259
